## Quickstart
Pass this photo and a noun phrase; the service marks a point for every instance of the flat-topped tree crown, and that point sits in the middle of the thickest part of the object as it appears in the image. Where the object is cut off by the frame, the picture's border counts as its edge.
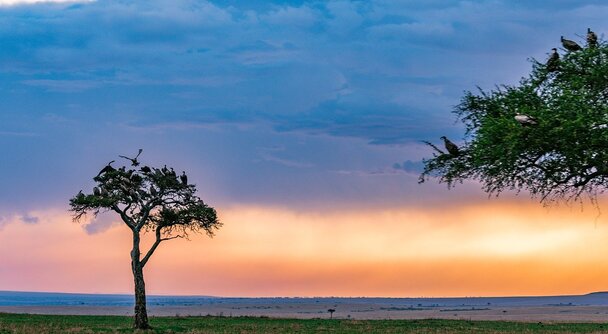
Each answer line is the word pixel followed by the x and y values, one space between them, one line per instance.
pixel 147 199
pixel 548 134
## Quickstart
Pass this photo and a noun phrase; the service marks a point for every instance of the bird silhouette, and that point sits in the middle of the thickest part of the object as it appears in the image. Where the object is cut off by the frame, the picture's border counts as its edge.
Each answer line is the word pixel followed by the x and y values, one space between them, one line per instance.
pixel 146 169
pixel 107 168
pixel 570 45
pixel 134 161
pixel 553 61
pixel 591 39
pixel 451 147
pixel 184 178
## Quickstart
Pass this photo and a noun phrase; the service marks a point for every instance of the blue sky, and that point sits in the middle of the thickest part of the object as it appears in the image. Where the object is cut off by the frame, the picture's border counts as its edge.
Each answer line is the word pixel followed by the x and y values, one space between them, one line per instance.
pixel 309 105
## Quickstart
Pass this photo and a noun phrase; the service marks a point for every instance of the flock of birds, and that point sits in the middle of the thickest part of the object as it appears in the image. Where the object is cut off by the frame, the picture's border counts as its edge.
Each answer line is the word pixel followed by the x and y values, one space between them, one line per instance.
pixel 101 191
pixel 552 65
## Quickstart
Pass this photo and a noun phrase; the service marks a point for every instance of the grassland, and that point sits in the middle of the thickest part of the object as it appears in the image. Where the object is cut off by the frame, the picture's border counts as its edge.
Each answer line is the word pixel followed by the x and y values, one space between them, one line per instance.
pixel 43 324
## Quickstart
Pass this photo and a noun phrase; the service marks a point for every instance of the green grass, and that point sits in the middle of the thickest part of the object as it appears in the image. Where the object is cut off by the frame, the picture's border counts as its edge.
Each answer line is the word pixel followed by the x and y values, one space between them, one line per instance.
pixel 43 324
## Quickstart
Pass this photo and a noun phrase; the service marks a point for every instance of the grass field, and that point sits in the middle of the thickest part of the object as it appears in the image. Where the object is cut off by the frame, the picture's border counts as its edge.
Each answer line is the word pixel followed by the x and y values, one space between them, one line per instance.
pixel 42 324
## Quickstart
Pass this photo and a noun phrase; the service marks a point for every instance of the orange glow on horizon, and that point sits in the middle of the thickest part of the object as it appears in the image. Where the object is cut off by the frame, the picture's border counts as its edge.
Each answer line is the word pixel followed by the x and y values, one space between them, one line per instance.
pixel 484 249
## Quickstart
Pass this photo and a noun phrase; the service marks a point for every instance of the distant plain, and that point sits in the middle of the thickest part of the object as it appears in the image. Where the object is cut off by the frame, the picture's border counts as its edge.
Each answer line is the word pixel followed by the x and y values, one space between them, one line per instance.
pixel 591 307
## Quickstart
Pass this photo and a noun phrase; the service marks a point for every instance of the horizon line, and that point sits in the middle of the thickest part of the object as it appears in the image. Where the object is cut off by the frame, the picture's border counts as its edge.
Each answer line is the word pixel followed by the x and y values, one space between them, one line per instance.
pixel 302 297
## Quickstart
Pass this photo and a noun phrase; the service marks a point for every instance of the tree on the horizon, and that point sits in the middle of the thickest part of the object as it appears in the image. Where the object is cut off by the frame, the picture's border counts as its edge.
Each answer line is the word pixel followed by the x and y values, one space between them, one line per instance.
pixel 147 199
pixel 547 135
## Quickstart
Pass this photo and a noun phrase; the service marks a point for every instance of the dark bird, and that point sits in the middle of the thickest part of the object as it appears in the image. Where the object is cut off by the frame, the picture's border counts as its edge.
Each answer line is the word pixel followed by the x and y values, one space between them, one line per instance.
pixel 525 120
pixel 146 170
pixel 451 147
pixel 553 61
pixel 134 161
pixel 153 191
pixel 591 39
pixel 184 178
pixel 107 168
pixel 96 191
pixel 570 45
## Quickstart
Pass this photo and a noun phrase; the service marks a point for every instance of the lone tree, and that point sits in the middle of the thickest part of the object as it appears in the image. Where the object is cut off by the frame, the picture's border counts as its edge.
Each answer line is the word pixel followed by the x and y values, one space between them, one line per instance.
pixel 547 135
pixel 147 199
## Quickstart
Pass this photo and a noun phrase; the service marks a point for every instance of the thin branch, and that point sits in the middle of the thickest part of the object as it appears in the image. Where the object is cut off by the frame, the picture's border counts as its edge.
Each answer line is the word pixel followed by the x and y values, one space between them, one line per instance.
pixel 173 237
pixel 157 242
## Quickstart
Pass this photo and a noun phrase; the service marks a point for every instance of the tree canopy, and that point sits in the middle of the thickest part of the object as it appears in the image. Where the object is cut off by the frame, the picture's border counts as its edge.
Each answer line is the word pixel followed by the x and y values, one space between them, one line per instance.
pixel 560 154
pixel 148 199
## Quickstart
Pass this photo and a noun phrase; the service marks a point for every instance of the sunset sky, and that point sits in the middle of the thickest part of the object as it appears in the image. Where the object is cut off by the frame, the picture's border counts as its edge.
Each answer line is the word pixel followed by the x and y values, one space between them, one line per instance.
pixel 301 122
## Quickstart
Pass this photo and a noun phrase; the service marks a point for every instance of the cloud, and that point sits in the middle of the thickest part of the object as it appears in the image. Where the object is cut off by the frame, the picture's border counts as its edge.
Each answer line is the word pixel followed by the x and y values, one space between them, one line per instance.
pixel 378 122
pixel 29 219
pixel 271 155
pixel 31 2
pixel 101 223
pixel 415 167
pixel 206 83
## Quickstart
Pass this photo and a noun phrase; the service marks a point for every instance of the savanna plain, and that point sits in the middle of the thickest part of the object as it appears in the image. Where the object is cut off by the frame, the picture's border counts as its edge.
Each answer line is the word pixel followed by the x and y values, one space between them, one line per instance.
pixel 43 324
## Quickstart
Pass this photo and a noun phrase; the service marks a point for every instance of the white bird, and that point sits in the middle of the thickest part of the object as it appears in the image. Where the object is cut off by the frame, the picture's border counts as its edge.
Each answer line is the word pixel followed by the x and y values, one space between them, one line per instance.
pixel 525 120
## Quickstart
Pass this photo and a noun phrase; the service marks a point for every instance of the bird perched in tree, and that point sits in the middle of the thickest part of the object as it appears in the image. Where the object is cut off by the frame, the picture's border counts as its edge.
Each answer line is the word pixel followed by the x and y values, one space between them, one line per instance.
pixel 451 147
pixel 184 178
pixel 153 191
pixel 591 38
pixel 107 168
pixel 96 191
pixel 553 61
pixel 134 161
pixel 146 169
pixel 570 45
pixel 525 120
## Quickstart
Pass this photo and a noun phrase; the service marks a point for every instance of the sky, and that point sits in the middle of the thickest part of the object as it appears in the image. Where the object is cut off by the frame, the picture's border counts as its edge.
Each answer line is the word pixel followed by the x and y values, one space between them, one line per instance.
pixel 301 122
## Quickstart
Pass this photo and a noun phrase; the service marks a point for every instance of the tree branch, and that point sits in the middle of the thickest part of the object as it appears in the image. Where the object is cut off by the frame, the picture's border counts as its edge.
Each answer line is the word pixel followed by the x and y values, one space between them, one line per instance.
pixel 124 216
pixel 153 248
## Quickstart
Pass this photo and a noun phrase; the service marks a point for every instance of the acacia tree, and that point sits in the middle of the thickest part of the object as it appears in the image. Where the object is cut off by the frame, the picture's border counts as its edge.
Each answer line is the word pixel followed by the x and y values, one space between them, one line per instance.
pixel 560 153
pixel 147 199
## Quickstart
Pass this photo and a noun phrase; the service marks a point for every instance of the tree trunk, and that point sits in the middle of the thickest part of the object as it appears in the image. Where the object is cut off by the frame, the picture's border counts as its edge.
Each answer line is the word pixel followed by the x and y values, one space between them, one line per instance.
pixel 141 314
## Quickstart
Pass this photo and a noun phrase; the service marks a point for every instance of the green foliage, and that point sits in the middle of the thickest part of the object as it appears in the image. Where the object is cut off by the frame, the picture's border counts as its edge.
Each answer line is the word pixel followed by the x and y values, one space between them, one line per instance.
pixel 561 158
pixel 148 199
pixel 51 324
